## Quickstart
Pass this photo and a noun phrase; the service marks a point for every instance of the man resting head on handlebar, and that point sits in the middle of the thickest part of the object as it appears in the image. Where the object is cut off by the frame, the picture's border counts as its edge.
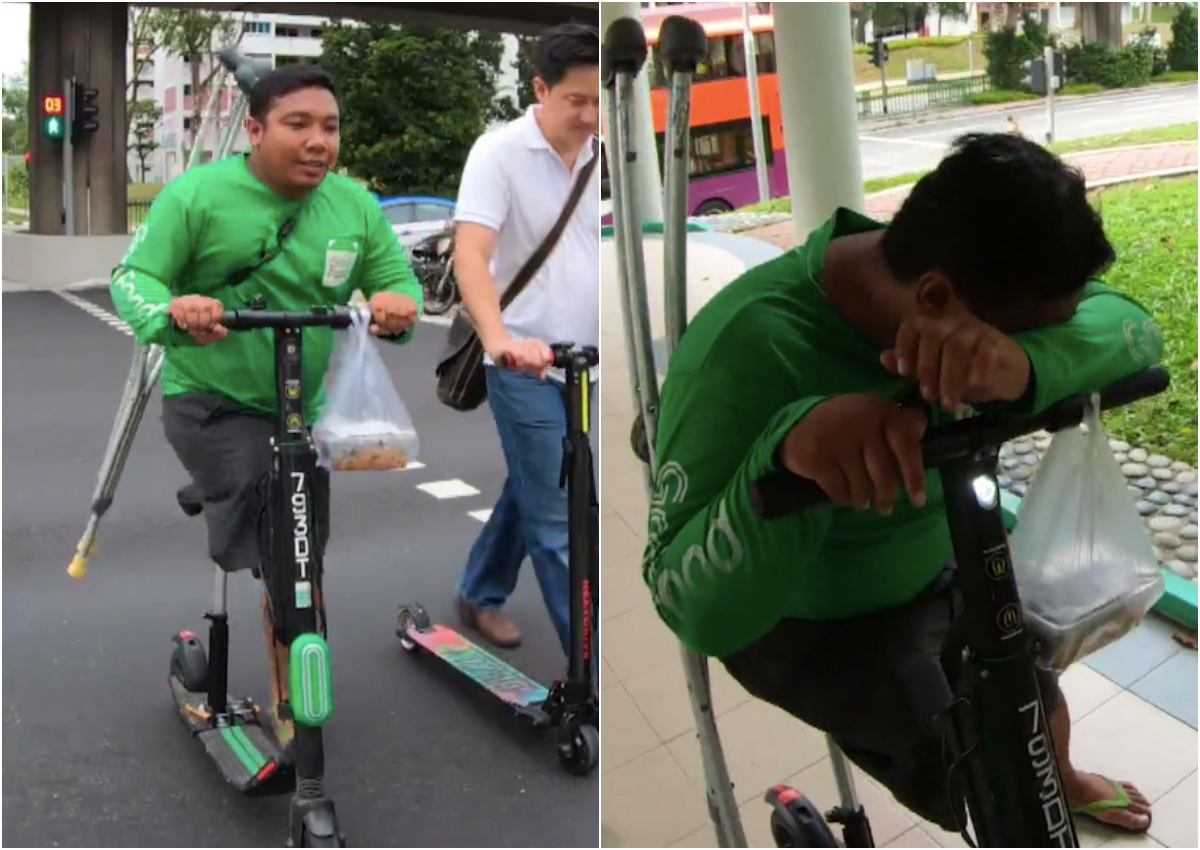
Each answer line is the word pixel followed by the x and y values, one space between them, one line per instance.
pixel 982 290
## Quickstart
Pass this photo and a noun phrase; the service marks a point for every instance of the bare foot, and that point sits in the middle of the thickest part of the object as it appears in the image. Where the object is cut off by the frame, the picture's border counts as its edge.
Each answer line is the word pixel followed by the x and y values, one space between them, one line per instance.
pixel 1087 788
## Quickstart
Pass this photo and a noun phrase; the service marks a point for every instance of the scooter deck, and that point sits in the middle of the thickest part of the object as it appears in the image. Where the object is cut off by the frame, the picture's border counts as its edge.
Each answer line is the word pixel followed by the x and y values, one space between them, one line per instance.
pixel 246 755
pixel 506 682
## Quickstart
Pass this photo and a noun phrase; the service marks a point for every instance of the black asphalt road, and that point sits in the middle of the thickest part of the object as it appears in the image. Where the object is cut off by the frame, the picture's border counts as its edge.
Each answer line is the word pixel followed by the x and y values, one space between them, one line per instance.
pixel 94 755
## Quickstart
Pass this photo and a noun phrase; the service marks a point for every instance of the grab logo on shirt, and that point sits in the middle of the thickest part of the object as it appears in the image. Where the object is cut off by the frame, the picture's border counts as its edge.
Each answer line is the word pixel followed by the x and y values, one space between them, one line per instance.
pixel 126 282
pixel 721 551
pixel 1143 341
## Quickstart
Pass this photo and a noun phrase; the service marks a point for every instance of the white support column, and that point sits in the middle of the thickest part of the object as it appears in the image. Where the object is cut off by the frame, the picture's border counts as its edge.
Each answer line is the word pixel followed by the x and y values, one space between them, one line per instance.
pixel 649 179
pixel 817 99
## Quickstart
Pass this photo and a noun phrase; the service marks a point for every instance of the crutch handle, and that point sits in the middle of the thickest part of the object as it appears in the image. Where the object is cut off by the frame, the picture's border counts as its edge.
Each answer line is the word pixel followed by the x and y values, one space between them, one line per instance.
pixel 683 44
pixel 624 51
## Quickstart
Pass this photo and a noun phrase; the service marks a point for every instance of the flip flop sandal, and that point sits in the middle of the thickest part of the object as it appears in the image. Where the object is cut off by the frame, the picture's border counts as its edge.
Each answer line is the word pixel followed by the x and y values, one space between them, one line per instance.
pixel 1119 800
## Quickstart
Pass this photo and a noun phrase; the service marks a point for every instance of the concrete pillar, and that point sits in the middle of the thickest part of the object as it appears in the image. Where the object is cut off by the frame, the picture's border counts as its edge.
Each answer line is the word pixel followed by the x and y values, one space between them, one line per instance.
pixel 89 40
pixel 649 179
pixel 817 101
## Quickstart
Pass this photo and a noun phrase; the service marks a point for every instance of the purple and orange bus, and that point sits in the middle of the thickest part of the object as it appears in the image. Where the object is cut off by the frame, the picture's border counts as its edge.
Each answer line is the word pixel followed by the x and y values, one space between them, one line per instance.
pixel 722 174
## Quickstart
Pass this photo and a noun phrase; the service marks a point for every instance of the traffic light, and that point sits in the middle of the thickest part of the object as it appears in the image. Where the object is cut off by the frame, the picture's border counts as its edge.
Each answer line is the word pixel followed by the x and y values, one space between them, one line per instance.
pixel 54 116
pixel 1035 76
pixel 879 52
pixel 87 110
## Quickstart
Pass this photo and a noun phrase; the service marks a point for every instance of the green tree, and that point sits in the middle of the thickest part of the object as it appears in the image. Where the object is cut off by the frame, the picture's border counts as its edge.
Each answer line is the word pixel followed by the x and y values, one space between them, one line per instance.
pixel 1181 55
pixel 146 115
pixel 523 65
pixel 413 100
pixel 16 112
pixel 954 11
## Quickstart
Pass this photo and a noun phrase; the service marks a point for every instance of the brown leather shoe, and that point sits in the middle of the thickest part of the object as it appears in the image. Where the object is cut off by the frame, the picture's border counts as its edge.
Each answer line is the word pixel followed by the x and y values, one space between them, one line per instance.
pixel 497 629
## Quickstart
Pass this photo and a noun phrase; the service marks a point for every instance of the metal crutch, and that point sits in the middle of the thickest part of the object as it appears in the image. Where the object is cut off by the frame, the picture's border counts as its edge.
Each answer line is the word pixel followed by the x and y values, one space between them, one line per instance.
pixel 683 44
pixel 147 362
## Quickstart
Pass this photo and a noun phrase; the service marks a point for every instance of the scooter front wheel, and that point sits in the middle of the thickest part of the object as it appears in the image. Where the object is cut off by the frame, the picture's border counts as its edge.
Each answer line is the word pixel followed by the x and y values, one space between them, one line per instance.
pixel 579 748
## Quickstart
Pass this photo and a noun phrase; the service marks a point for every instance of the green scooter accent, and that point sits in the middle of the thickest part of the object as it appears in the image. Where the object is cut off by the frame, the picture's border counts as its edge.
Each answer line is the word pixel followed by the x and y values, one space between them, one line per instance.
pixel 310 680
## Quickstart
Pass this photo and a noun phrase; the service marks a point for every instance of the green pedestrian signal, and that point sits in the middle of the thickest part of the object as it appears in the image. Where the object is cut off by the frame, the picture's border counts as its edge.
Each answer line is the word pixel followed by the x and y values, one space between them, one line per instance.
pixel 53 116
pixel 53 127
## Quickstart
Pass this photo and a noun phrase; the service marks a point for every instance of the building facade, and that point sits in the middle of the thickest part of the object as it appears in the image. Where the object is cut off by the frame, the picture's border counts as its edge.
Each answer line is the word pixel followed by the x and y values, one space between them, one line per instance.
pixel 278 39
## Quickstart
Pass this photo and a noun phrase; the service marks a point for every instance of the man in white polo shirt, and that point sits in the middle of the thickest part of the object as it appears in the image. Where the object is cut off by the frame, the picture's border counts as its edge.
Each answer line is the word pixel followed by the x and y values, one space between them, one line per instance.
pixel 514 188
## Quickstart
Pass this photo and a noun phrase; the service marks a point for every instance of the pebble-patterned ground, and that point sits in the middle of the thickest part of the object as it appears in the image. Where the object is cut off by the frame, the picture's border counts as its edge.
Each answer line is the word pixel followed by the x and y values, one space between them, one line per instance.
pixel 736 222
pixel 1166 493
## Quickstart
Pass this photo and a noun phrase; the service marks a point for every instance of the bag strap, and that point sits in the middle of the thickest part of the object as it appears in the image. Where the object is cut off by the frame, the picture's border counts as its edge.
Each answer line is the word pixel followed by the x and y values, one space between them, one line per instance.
pixel 240 276
pixel 534 263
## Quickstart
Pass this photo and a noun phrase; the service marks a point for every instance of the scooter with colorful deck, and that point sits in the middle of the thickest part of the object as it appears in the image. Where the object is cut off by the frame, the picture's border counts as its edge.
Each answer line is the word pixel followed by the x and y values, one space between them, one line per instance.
pixel 568 705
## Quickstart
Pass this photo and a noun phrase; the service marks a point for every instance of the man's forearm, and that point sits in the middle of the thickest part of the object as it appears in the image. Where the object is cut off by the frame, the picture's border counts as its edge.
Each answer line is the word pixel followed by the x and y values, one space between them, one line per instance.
pixel 480 297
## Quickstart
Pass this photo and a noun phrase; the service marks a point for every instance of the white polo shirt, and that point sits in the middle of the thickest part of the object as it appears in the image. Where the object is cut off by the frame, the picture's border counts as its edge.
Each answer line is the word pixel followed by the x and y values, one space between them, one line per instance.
pixel 516 184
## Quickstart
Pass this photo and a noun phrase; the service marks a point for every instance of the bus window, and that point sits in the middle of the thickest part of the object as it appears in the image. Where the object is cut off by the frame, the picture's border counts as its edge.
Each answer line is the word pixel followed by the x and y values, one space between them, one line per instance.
pixel 722 148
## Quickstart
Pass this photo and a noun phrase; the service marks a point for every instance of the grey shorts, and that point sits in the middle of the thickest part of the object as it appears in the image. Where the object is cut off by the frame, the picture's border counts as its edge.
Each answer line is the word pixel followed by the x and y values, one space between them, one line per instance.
pixel 876 685
pixel 226 449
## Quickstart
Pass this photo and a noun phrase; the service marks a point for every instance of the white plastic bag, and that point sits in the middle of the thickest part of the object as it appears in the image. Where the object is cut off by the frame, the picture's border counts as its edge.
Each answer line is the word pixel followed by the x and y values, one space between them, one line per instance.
pixel 1085 566
pixel 365 425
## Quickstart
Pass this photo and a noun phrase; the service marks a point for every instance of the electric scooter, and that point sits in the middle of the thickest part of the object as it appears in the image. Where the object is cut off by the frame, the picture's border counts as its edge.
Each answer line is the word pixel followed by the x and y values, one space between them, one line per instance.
pixel 997 729
pixel 230 729
pixel 568 705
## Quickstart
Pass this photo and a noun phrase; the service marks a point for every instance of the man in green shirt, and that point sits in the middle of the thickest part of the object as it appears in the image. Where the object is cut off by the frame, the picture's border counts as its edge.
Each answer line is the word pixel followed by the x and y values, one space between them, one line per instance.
pixel 275 225
pixel 981 290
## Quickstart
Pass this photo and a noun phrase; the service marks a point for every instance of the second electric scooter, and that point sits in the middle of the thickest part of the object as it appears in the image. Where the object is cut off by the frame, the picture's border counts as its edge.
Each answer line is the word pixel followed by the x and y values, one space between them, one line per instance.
pixel 569 704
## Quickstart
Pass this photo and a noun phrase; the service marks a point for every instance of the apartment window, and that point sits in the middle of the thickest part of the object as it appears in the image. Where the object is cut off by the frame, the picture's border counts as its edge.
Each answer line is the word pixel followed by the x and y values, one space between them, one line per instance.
pixel 257 27
pixel 287 32
pixel 187 123
pixel 187 89
pixel 317 32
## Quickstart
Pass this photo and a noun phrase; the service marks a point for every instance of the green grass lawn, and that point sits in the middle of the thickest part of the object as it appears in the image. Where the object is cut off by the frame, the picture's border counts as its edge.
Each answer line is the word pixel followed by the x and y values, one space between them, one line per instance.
pixel 1150 135
pixel 1152 225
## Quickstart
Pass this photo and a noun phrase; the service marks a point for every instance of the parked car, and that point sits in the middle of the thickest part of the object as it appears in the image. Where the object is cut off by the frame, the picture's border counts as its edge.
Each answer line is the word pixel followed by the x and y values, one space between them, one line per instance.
pixel 417 217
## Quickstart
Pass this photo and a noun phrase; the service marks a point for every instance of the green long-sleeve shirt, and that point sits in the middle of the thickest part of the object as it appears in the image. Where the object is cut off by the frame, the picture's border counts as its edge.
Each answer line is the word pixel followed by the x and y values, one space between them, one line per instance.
pixel 753 362
pixel 219 218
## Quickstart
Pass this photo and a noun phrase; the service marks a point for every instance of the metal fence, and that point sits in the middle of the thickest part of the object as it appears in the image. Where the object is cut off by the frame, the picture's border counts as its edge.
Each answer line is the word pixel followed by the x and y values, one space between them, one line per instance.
pixel 136 212
pixel 922 97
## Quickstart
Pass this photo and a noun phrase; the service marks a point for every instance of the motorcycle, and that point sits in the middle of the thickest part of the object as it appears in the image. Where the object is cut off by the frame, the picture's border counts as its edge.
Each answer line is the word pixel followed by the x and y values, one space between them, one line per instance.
pixel 432 261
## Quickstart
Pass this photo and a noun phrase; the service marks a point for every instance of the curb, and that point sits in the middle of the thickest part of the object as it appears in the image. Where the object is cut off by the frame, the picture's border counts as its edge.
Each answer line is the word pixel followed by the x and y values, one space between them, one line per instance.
pixel 937 115
pixel 1123 148
pixel 1181 171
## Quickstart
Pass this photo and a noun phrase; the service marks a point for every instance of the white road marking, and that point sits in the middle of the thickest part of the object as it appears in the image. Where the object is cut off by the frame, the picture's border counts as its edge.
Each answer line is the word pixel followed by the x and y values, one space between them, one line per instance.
pixel 482 516
pixel 907 141
pixel 451 489
pixel 100 313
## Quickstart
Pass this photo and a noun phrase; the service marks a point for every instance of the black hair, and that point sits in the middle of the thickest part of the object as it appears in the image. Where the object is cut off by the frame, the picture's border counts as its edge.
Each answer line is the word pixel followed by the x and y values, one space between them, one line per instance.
pixel 284 81
pixel 564 48
pixel 1004 219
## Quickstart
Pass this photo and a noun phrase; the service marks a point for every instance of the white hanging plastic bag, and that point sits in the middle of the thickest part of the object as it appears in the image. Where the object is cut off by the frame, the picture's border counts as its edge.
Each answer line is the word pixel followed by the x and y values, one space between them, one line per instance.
pixel 365 425
pixel 1085 566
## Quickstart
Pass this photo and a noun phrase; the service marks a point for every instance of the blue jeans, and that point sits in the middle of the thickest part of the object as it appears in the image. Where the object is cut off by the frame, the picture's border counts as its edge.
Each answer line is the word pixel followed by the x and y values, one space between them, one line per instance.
pixel 531 516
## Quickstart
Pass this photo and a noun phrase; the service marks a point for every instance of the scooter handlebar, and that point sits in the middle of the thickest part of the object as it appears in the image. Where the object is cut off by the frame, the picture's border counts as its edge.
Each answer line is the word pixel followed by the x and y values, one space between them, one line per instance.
pixel 338 318
pixel 780 493
pixel 624 50
pixel 682 43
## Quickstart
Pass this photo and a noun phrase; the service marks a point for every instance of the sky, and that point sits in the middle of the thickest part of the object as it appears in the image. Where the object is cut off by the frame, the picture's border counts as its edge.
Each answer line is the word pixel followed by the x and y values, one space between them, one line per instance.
pixel 14 37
